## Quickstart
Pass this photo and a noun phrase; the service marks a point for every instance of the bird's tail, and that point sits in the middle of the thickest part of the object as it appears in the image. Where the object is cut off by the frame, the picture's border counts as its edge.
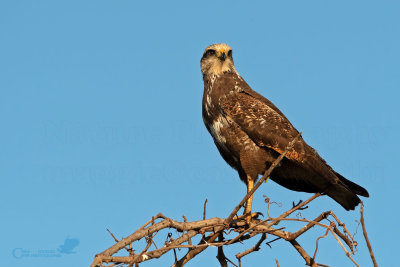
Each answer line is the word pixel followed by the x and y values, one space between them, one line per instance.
pixel 342 195
pixel 345 193
pixel 355 188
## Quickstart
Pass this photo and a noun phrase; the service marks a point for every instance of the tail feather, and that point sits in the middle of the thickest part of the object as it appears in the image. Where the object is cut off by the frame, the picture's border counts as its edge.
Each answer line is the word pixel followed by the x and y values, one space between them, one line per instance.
pixel 355 188
pixel 343 195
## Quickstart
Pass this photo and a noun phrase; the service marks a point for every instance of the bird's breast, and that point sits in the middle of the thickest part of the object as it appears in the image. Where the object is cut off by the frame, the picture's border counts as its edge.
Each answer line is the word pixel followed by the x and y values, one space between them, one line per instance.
pixel 219 129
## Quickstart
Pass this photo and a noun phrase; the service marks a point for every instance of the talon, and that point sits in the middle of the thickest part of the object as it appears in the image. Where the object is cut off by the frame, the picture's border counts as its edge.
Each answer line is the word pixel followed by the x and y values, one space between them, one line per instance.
pixel 300 201
pixel 252 216
pixel 248 217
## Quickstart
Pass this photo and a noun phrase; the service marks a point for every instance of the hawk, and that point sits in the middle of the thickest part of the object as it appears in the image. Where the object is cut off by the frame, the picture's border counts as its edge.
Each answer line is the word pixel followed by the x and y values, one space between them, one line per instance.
pixel 250 133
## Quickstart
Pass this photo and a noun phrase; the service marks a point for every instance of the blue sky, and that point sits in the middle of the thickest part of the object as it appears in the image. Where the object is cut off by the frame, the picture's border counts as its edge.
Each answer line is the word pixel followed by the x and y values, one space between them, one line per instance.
pixel 101 126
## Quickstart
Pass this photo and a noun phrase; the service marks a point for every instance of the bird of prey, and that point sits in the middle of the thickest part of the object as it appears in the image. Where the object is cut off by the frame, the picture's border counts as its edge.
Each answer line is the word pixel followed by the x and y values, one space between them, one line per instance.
pixel 250 133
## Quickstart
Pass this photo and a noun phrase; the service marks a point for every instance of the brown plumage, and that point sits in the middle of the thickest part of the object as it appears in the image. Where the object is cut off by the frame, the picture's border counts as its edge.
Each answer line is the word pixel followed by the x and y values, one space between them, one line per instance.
pixel 250 132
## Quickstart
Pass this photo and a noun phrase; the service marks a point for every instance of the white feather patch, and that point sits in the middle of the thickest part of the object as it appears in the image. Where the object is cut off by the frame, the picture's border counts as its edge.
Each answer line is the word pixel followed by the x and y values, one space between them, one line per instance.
pixel 217 128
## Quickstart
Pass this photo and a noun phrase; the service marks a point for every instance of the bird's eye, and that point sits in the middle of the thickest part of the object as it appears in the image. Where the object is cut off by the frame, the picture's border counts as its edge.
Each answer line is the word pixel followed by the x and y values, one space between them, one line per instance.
pixel 230 53
pixel 211 52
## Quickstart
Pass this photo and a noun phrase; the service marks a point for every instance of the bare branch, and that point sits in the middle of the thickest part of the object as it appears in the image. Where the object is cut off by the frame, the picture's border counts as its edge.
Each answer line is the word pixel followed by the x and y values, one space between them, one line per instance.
pixel 287 213
pixel 256 247
pixel 345 250
pixel 195 251
pixel 221 255
pixel 115 239
pixel 205 209
pixel 303 253
pixel 316 247
pixel 238 230
pixel 309 225
pixel 366 236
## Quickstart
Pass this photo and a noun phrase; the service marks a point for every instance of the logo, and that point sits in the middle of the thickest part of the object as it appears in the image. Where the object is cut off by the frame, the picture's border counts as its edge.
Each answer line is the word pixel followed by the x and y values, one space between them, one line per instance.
pixel 67 248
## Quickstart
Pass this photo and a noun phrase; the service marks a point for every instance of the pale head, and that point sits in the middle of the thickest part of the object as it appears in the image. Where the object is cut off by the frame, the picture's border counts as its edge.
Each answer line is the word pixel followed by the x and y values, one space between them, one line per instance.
pixel 217 59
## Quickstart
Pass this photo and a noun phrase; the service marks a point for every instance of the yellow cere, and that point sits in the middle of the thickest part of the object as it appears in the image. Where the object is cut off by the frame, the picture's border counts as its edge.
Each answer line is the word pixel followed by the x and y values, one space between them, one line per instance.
pixel 220 51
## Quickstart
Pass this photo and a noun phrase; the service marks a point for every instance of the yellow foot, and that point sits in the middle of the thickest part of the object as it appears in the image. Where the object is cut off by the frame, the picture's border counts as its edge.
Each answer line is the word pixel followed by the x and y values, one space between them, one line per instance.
pixel 248 217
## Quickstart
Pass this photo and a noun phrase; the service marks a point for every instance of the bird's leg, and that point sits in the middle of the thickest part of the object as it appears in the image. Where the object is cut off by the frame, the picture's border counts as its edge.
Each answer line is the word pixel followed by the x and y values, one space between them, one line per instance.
pixel 250 184
pixel 247 211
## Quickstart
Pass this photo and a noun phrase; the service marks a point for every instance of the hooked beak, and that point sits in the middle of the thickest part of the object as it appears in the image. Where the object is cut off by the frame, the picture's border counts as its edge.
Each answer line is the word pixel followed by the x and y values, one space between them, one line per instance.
pixel 222 55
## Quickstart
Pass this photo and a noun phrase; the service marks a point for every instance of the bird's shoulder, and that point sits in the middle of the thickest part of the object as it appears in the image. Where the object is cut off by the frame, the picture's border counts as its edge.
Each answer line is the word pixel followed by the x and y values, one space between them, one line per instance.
pixel 264 123
pixel 259 118
pixel 239 99
pixel 233 84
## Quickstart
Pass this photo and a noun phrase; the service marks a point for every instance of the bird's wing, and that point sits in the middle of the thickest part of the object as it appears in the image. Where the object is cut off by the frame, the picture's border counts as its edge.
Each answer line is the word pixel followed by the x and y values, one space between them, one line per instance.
pixel 269 128
pixel 262 123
